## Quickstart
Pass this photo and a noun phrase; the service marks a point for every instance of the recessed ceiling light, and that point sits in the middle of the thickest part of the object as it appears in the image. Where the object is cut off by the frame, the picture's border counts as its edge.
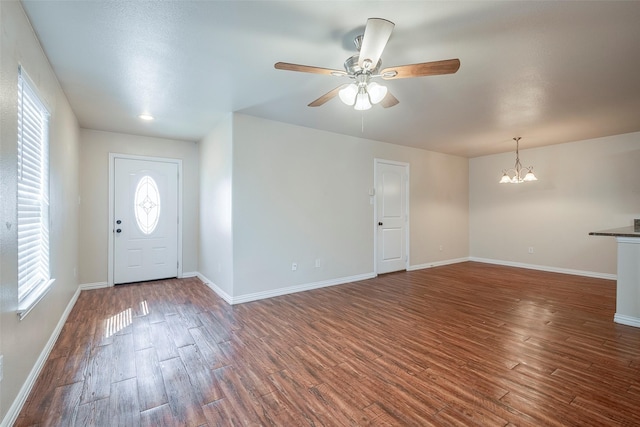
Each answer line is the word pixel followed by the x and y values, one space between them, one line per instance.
pixel 147 117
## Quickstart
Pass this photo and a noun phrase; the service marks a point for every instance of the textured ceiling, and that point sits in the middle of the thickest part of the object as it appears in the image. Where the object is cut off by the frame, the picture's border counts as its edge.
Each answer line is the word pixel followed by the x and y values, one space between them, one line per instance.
pixel 550 72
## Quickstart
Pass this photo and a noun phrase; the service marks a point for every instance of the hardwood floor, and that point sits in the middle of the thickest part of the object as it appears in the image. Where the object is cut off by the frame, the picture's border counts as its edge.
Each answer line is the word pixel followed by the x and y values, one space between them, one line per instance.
pixel 466 344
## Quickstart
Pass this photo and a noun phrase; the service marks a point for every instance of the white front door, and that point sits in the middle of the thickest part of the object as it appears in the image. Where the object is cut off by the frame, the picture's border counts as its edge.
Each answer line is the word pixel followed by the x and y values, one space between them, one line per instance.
pixel 145 220
pixel 391 216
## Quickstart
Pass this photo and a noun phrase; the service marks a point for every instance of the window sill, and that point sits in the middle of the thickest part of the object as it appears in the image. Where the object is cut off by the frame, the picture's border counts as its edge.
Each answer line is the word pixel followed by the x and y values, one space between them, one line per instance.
pixel 25 306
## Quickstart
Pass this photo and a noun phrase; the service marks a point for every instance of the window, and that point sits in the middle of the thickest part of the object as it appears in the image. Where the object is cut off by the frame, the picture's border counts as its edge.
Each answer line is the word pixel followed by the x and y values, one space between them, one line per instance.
pixel 147 204
pixel 33 197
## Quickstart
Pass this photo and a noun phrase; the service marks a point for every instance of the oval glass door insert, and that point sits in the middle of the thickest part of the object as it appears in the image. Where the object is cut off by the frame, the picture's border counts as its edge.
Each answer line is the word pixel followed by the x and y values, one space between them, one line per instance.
pixel 147 204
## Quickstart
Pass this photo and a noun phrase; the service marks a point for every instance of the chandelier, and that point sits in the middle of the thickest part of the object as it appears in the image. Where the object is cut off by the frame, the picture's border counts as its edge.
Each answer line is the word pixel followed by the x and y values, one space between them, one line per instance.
pixel 517 174
pixel 363 93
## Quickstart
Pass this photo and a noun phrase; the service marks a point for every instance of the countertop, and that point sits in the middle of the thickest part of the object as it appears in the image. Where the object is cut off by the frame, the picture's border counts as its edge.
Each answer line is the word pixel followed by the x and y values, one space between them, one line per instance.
pixel 629 231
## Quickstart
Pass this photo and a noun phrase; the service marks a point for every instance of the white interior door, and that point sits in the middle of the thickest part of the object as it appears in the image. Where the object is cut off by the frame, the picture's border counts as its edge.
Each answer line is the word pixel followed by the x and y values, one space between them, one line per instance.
pixel 392 216
pixel 145 201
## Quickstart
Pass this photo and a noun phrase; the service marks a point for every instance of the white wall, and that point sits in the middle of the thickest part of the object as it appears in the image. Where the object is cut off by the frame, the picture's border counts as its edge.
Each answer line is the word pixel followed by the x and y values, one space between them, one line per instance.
pixel 22 342
pixel 301 194
pixel 94 190
pixel 583 186
pixel 216 237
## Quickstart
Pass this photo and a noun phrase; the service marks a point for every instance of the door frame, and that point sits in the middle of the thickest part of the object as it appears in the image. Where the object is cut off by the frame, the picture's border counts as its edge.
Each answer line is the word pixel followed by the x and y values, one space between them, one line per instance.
pixel 376 162
pixel 110 229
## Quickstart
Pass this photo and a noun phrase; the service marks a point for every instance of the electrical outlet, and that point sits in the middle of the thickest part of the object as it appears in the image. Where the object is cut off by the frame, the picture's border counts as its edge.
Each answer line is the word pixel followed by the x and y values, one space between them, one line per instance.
pixel 318 262
pixel 294 266
pixel 530 249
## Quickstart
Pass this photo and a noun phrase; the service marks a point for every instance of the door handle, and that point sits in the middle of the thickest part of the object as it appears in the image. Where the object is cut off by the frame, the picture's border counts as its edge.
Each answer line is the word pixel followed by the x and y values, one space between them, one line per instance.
pixel 119 230
pixel 118 222
pixel 379 223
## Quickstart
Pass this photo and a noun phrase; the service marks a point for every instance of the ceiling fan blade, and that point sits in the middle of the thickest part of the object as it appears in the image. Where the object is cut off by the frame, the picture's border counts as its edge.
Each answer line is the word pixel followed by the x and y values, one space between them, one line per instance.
pixel 448 66
pixel 389 100
pixel 308 69
pixel 376 36
pixel 327 96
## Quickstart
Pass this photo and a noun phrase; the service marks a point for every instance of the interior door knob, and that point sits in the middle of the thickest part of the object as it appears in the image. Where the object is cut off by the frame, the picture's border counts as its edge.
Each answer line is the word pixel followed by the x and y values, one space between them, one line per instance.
pixel 379 223
pixel 119 230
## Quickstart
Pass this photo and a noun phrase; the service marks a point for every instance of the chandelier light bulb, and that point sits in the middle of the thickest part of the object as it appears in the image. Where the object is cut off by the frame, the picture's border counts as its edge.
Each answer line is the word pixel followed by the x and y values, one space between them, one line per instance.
pixel 362 100
pixel 348 94
pixel 377 92
pixel 530 176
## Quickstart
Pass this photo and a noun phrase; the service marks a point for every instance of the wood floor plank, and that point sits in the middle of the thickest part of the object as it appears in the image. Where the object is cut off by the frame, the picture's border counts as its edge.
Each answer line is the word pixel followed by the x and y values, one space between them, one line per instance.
pixel 205 385
pixel 95 413
pixel 454 417
pixel 298 397
pixel 123 358
pixel 251 374
pixel 123 403
pixel 339 406
pixel 185 405
pixel 97 384
pixel 162 342
pixel 39 401
pixel 239 404
pixel 547 413
pixel 464 344
pixel 276 411
pixel 64 405
pixel 150 384
pixel 141 331
pixel 211 352
pixel 158 416
pixel 221 413
pixel 75 366
pixel 179 331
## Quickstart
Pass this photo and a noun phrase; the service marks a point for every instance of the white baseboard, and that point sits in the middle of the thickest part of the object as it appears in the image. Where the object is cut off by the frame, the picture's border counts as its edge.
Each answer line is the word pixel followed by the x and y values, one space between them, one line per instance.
pixel 437 263
pixel 546 268
pixel 189 274
pixel 95 285
pixel 222 294
pixel 623 319
pixel 13 412
pixel 300 288
pixel 281 291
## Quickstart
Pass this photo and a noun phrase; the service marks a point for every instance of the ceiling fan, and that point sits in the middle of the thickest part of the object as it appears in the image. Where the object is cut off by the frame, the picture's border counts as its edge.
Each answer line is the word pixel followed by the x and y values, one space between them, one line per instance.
pixel 365 66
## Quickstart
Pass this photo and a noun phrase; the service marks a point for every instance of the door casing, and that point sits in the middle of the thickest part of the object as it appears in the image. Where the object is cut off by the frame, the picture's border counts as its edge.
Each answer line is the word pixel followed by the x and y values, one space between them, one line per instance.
pixel 112 161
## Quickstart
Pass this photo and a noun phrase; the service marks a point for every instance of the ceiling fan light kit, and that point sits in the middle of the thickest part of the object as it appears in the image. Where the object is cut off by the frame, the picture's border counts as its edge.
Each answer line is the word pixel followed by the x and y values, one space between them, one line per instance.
pixel 365 66
pixel 363 95
pixel 517 174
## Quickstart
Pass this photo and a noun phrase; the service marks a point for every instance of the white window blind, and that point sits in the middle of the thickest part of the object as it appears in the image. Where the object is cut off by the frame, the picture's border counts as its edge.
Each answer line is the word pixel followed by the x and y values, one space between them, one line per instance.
pixel 33 197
